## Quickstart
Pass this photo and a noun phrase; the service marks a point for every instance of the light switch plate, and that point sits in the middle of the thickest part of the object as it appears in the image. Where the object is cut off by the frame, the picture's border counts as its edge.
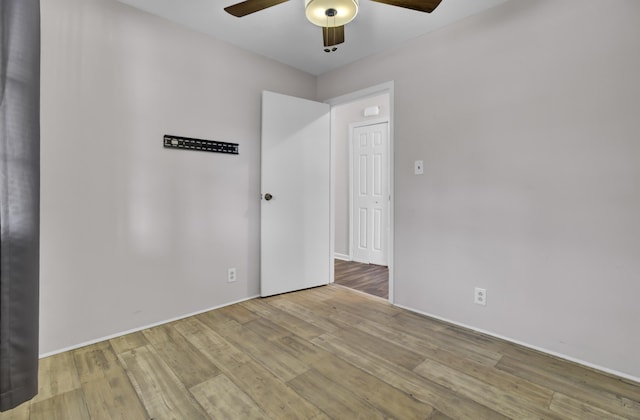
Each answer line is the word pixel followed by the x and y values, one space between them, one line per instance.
pixel 418 167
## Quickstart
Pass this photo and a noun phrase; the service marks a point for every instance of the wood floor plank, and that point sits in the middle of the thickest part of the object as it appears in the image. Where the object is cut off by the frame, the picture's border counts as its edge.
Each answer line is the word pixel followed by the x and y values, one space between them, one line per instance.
pixel 306 314
pixel 571 408
pixel 269 354
pixel 386 398
pixel 108 393
pixel 295 346
pixel 453 358
pixel 337 401
pixel 160 390
pixel 304 350
pixel 436 415
pixel 411 321
pixel 511 404
pixel 186 361
pixel 555 380
pixel 267 329
pixel 63 406
pixel 222 399
pixel 113 397
pixel 292 344
pixel 275 398
pixel 389 351
pixel 389 332
pixel 588 378
pixel 57 375
pixel 21 412
pixel 360 303
pixel 128 342
pixel 272 395
pixel 435 395
pixel 238 313
pixel 283 319
pixel 335 312
pixel 319 293
pixel 521 389
pixel 479 339
pixel 211 344
pixel 471 349
pixel 92 361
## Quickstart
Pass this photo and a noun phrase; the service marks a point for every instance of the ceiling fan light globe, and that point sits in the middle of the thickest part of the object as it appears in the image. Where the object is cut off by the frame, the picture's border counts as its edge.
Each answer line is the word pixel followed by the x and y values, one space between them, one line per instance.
pixel 315 11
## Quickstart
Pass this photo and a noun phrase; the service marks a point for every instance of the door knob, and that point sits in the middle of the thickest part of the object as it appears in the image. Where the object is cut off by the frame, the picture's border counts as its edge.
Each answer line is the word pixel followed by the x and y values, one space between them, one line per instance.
pixel 268 197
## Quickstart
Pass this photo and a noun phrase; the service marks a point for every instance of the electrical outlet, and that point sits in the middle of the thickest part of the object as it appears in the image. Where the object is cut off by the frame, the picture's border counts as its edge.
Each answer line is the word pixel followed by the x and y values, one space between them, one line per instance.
pixel 231 275
pixel 480 296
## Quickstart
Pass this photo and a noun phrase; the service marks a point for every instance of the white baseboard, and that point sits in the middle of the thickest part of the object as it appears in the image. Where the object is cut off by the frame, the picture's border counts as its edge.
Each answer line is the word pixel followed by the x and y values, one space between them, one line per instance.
pixel 155 324
pixel 342 257
pixel 522 343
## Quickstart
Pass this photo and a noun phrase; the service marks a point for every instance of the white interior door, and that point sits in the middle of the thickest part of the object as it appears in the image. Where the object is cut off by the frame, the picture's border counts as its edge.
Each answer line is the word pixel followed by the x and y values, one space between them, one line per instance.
pixel 370 191
pixel 296 214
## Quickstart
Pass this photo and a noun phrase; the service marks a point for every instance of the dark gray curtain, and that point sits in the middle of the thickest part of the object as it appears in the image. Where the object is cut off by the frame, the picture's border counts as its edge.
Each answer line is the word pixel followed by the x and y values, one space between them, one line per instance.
pixel 19 199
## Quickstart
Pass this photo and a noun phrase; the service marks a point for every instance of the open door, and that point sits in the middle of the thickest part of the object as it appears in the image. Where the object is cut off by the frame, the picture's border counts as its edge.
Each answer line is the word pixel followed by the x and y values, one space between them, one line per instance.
pixel 295 218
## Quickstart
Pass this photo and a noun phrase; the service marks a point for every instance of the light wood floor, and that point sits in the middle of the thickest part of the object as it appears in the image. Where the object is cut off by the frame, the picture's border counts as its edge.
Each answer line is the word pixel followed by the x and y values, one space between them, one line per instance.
pixel 328 352
pixel 368 278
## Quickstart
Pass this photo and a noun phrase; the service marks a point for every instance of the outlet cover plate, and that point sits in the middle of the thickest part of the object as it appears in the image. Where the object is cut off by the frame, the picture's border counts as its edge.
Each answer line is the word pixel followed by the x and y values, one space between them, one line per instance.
pixel 480 296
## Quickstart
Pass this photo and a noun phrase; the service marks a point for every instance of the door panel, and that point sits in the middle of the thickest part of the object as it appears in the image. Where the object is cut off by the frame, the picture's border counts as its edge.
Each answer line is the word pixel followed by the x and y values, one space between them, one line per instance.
pixel 295 224
pixel 363 176
pixel 377 175
pixel 377 230
pixel 362 232
pixel 371 195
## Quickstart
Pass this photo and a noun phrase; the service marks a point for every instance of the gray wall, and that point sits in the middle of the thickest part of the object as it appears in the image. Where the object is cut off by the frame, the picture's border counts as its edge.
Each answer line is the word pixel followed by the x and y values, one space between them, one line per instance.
pixel 527 119
pixel 134 234
pixel 344 115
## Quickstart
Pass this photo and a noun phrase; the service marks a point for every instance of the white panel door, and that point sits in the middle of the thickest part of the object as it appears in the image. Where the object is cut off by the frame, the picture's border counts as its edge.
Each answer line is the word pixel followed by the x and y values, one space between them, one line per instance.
pixel 370 190
pixel 296 191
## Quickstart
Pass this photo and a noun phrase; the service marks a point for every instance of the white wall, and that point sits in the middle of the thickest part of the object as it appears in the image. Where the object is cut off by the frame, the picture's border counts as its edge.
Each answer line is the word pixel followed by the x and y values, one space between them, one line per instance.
pixel 527 119
pixel 132 233
pixel 345 114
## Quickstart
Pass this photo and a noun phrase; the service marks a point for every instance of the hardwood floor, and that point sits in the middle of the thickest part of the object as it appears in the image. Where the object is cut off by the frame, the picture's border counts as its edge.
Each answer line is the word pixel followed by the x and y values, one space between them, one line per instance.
pixel 368 278
pixel 321 353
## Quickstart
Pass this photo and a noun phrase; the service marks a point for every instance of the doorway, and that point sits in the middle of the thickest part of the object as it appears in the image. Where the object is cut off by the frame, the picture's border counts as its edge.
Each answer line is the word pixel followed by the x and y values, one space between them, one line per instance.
pixel 364 258
pixel 274 121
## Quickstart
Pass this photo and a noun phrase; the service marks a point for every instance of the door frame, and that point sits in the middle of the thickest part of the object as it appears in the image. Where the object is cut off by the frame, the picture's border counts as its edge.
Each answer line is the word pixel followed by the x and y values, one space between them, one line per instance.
pixel 352 127
pixel 386 87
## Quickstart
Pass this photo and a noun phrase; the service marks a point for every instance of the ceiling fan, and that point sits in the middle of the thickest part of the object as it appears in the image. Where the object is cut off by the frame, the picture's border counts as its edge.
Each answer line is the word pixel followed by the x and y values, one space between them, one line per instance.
pixel 331 15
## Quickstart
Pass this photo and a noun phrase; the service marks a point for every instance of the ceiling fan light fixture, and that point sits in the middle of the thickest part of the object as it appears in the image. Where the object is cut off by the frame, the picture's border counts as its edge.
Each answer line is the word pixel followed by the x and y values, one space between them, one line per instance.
pixel 331 13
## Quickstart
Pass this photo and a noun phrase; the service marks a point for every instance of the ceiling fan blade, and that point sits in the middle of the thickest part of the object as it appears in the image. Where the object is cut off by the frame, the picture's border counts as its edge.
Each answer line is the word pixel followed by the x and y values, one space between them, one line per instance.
pixel 250 6
pixel 333 36
pixel 427 6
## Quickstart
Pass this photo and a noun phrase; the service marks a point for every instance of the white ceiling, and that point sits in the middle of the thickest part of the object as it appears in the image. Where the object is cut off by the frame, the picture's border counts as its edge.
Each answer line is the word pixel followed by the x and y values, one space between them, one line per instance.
pixel 283 33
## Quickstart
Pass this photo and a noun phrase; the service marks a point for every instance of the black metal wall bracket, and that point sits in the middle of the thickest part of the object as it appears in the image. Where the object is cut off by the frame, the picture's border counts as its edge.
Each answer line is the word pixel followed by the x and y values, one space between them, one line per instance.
pixel 187 143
